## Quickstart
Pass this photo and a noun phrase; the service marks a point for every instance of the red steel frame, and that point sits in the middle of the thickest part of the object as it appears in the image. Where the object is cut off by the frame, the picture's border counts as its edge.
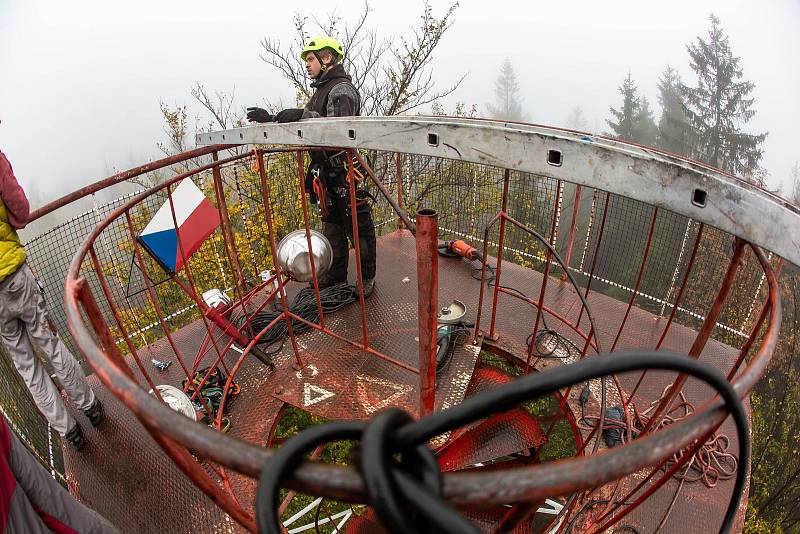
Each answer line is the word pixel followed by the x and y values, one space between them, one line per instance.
pixel 176 434
pixel 244 297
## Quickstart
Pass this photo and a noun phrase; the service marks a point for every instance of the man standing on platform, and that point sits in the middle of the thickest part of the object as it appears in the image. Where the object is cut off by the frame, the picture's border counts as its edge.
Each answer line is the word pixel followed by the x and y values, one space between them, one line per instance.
pixel 23 313
pixel 327 176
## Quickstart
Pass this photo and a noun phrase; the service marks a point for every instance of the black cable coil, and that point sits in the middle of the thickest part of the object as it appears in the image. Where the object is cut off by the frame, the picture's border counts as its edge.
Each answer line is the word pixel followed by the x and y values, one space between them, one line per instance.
pixel 401 475
pixel 304 305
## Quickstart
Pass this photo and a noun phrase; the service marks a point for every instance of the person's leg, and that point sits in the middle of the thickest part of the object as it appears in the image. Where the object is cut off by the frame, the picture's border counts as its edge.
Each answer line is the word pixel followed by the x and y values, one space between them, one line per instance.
pixel 66 367
pixel 334 229
pixel 39 500
pixel 366 239
pixel 33 373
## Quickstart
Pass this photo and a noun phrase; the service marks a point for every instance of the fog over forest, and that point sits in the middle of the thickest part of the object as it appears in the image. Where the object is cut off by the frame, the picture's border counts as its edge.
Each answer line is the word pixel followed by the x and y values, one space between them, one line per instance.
pixel 82 83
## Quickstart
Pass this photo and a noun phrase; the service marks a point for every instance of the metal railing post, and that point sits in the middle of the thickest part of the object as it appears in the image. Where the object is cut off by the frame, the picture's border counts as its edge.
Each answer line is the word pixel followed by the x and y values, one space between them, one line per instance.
pixel 428 285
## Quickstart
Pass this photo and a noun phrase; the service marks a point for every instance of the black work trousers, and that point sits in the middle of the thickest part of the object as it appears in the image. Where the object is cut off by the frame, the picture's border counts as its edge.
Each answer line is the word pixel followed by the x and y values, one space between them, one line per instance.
pixel 338 228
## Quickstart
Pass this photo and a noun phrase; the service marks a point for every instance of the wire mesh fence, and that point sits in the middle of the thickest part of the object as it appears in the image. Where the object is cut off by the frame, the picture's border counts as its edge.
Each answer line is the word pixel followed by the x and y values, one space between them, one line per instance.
pixel 627 249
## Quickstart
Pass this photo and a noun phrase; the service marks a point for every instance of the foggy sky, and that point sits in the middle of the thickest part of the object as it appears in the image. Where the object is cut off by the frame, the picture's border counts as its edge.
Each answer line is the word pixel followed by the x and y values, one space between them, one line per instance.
pixel 81 82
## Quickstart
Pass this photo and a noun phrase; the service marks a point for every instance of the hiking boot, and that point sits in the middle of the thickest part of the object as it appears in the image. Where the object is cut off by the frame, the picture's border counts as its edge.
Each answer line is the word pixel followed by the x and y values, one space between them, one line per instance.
pixel 75 437
pixel 95 412
pixel 369 285
pixel 326 280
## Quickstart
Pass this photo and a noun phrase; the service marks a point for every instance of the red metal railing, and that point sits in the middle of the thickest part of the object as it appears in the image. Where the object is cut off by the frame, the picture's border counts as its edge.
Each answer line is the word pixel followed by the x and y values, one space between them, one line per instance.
pixel 176 434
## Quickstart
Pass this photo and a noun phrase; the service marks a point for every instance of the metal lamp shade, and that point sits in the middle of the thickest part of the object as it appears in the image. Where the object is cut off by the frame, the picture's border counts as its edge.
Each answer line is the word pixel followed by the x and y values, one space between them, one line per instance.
pixel 177 400
pixel 293 256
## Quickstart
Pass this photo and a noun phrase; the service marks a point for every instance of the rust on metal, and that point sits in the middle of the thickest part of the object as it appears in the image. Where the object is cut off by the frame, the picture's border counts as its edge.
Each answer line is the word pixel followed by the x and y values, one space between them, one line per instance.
pixel 428 306
pixel 359 370
pixel 227 235
pixel 572 227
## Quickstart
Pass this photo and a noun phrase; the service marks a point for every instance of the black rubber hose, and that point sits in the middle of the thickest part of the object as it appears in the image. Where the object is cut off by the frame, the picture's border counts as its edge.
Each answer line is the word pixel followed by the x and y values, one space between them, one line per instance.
pixel 286 459
pixel 535 385
pixel 382 441
pixel 376 457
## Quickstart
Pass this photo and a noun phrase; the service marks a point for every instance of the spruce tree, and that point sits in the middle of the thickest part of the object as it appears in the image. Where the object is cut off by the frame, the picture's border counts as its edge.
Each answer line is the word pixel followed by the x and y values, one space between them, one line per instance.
pixel 794 194
pixel 674 130
pixel 720 105
pixel 634 120
pixel 506 88
pixel 625 125
pixel 577 120
pixel 645 129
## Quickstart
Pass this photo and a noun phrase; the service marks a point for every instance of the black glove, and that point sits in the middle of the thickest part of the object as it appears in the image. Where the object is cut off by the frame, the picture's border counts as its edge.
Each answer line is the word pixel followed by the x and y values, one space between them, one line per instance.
pixel 258 115
pixel 289 115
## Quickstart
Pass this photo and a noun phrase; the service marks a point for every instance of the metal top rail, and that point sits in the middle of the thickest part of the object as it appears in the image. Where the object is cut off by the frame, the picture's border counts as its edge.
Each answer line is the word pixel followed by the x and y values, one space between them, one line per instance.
pixel 628 170
pixel 658 178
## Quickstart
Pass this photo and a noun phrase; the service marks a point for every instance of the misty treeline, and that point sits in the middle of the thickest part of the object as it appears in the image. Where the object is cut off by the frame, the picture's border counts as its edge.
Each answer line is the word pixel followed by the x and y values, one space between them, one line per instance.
pixel 704 120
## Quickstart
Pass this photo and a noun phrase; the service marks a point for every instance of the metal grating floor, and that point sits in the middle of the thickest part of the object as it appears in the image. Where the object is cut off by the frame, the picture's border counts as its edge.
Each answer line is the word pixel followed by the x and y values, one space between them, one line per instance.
pixel 125 476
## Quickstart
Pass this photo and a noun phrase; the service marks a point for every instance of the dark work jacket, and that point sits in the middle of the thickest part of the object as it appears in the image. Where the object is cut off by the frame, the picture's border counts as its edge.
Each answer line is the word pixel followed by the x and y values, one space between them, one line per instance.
pixel 322 89
pixel 319 104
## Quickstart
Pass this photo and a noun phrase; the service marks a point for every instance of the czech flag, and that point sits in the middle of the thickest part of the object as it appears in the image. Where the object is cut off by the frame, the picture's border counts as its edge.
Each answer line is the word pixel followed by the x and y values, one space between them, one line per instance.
pixel 196 219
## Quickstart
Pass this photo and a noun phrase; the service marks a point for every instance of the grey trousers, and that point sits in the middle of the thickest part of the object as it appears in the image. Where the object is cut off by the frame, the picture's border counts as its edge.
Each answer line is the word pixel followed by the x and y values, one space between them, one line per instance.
pixel 38 499
pixel 22 314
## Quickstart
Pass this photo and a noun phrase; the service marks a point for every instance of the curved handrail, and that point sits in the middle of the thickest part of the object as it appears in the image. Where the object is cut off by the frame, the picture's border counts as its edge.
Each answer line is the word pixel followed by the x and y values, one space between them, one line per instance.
pixel 123 176
pixel 519 484
pixel 646 174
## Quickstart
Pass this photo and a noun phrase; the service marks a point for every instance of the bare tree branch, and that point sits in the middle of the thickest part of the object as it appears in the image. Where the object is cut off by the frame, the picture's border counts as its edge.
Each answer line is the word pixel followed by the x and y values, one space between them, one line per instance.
pixel 402 85
pixel 393 75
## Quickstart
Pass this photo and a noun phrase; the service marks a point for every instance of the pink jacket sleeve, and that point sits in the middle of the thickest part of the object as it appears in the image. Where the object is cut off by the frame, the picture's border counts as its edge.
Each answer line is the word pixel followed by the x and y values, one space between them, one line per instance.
pixel 13 196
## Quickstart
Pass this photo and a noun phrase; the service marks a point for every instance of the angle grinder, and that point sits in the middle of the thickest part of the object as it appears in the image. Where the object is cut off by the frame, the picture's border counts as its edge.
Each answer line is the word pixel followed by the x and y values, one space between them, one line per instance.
pixel 459 248
pixel 450 321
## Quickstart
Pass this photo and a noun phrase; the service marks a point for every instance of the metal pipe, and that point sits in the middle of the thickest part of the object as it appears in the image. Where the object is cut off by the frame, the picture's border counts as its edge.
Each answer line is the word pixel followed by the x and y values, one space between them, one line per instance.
pixel 368 350
pixel 311 260
pixel 227 233
pixel 357 245
pixel 589 227
pixel 127 175
pixel 399 169
pixel 188 270
pixel 535 303
pixel 265 194
pixel 428 305
pixel 638 279
pixel 499 263
pixel 674 306
pixel 152 295
pixel 516 515
pixel 754 332
pixel 596 253
pixel 677 267
pixel 484 265
pixel 386 193
pixel 115 312
pixel 683 285
pixel 572 227
pixel 702 336
pixel 716 308
pixel 191 468
pixel 652 488
pixel 545 278
pixel 101 329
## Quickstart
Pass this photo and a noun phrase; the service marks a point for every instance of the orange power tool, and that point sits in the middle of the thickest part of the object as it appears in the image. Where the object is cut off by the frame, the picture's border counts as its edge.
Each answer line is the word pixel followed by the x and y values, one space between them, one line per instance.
pixel 459 248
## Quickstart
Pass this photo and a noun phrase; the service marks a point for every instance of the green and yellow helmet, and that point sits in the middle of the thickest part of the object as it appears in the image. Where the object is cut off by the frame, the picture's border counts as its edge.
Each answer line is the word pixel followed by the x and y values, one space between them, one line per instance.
pixel 319 43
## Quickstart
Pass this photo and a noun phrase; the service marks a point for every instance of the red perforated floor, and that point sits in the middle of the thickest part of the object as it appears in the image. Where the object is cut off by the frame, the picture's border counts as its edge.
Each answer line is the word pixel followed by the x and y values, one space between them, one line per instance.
pixel 126 477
